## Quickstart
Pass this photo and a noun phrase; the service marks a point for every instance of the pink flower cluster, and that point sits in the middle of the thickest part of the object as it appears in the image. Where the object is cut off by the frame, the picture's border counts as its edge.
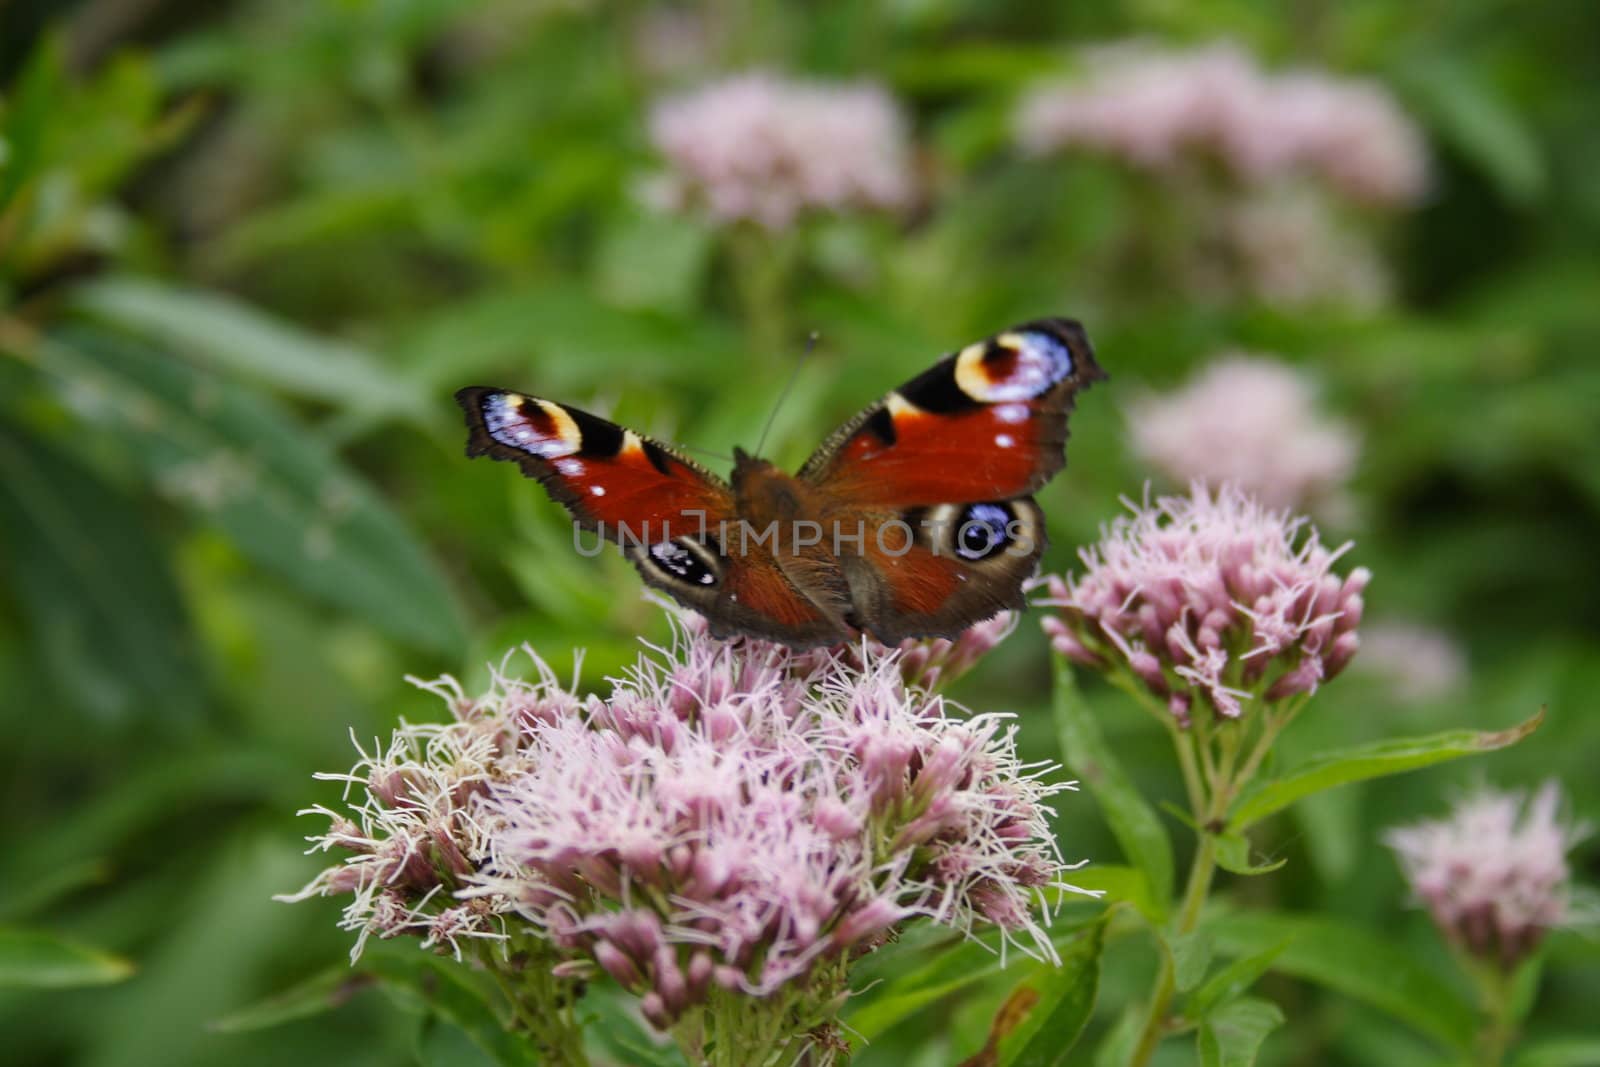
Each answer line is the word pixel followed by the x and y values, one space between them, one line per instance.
pixel 726 819
pixel 1493 874
pixel 1211 598
pixel 733 817
pixel 763 149
pixel 1152 108
pixel 418 835
pixel 1252 422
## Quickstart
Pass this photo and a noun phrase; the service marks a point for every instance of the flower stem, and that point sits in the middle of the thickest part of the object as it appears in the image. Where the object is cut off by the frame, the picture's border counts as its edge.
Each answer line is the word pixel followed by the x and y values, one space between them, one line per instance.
pixel 1495 997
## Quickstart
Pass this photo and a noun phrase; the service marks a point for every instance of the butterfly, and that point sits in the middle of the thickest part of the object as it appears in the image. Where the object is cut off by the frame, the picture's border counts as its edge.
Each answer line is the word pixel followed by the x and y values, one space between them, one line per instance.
pixel 916 518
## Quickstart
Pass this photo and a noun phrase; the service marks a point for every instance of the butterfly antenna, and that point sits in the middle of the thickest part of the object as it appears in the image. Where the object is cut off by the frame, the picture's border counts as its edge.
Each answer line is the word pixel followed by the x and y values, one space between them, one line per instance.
pixel 707 452
pixel 794 376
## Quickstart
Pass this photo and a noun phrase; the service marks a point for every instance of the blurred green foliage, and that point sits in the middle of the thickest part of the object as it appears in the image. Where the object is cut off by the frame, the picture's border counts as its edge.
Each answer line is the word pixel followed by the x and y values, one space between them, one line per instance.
pixel 248 249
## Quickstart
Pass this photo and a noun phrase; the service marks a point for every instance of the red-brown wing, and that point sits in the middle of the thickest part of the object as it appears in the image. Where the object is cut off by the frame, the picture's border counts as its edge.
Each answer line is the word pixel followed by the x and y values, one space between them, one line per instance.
pixel 671 516
pixel 937 571
pixel 611 479
pixel 986 423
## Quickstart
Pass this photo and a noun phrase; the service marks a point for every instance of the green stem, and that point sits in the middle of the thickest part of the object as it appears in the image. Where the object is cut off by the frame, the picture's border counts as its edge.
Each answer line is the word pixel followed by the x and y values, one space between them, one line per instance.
pixel 1194 898
pixel 1494 995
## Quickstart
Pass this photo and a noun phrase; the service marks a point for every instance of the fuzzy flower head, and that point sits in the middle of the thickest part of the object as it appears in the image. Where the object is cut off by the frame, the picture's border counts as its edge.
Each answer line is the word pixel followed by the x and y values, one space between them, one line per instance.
pixel 1158 110
pixel 1252 422
pixel 1493 873
pixel 732 819
pixel 759 148
pixel 739 816
pixel 415 834
pixel 1210 599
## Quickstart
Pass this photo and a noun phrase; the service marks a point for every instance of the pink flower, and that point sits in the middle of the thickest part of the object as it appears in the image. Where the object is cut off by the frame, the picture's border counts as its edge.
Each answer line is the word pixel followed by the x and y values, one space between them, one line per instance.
pixel 1493 873
pixel 1156 108
pixel 1252 422
pixel 1287 249
pixel 763 149
pixel 1419 663
pixel 776 812
pixel 731 816
pixel 1210 598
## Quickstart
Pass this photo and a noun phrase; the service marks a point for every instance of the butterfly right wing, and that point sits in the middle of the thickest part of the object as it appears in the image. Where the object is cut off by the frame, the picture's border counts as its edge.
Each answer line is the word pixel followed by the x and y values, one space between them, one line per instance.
pixel 667 512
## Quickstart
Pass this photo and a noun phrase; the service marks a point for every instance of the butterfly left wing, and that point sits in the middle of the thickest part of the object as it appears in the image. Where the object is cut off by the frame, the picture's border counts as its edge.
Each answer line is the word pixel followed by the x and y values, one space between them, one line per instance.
pixel 941 474
pixel 610 478
pixel 669 514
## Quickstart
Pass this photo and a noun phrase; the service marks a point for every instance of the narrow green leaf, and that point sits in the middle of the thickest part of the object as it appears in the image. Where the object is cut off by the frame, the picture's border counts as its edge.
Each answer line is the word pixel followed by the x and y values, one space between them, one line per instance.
pixel 949 969
pixel 1579 1050
pixel 1474 117
pixel 236 459
pixel 432 985
pixel 1118 883
pixel 1232 981
pixel 104 609
pixel 1355 963
pixel 34 959
pixel 1191 958
pixel 320 993
pixel 654 260
pixel 231 336
pixel 25 115
pixel 1375 760
pixel 1133 822
pixel 1233 1036
pixel 1233 855
pixel 1065 999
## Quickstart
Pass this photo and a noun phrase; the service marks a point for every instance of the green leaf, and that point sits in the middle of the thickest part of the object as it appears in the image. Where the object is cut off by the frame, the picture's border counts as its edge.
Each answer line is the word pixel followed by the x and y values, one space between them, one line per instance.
pixel 1375 760
pixel 320 993
pixel 1191 958
pixel 25 116
pixel 1576 1051
pixel 654 260
pixel 433 985
pixel 219 332
pixel 1356 963
pixel 1472 115
pixel 949 968
pixel 1231 982
pixel 105 612
pixel 1133 822
pixel 1119 883
pixel 34 959
pixel 236 459
pixel 1233 1035
pixel 1233 854
pixel 1061 1003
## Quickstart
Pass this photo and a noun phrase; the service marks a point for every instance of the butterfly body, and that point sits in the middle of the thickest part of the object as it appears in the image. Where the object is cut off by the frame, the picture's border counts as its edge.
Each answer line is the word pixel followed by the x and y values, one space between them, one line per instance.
pixel 914 519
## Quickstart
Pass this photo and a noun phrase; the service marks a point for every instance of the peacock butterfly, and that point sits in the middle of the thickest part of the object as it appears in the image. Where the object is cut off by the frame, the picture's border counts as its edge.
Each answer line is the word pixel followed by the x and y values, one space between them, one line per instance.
pixel 914 519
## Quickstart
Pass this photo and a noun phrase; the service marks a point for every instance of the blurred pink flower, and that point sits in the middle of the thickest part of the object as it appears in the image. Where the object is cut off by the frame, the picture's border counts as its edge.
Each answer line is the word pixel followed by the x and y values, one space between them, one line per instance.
pixel 1153 108
pixel 1420 663
pixel 1290 250
pixel 1210 598
pixel 1493 873
pixel 1252 422
pixel 763 149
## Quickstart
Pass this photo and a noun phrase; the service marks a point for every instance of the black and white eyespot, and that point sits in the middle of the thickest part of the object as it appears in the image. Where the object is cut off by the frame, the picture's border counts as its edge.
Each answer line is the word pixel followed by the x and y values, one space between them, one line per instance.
pixel 684 560
pixel 977 533
pixel 983 530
